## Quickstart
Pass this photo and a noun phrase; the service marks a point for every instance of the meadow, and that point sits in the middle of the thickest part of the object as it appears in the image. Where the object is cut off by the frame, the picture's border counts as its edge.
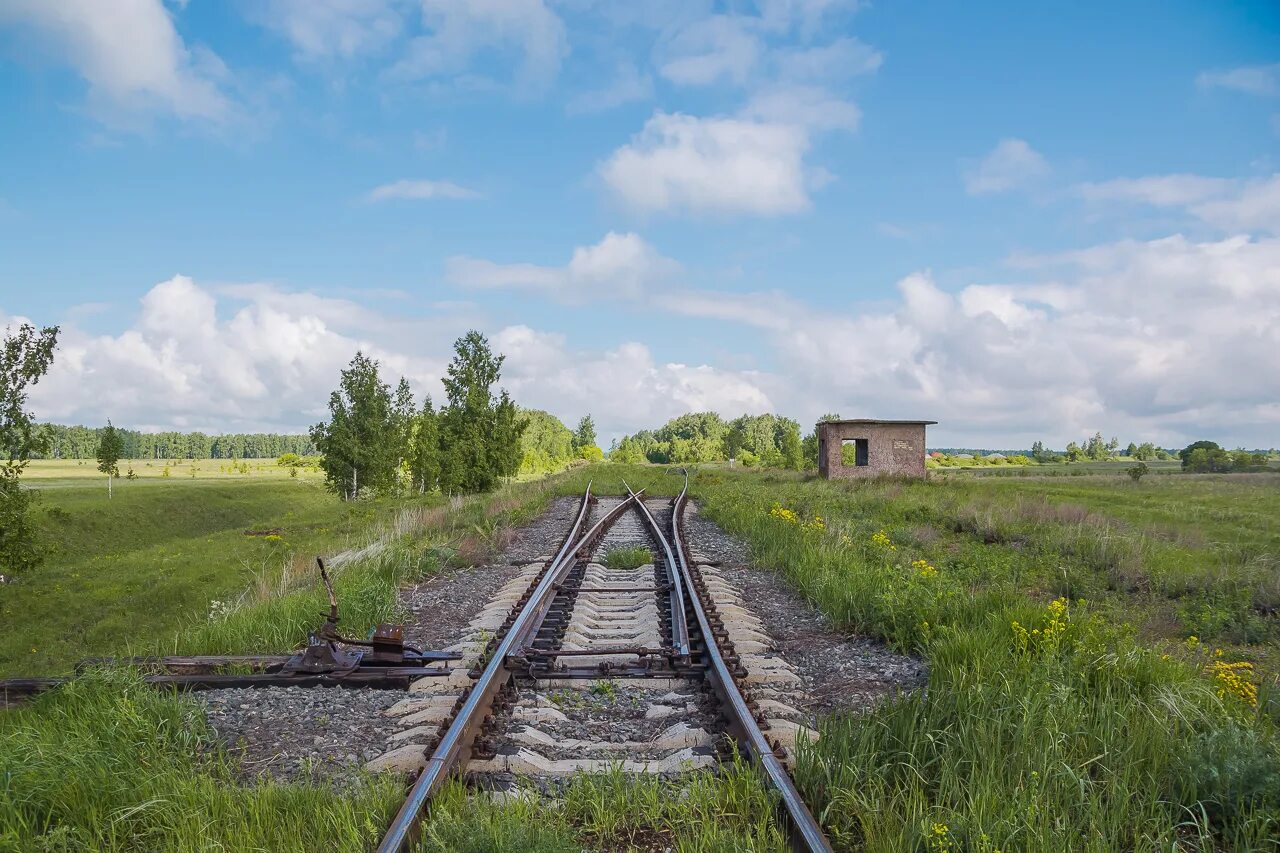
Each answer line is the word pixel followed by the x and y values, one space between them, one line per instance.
pixel 1103 662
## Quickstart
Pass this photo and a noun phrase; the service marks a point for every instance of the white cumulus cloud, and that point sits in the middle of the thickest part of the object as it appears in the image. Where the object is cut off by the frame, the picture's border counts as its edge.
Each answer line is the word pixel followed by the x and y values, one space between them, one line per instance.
pixel 130 54
pixel 187 362
pixel 1165 339
pixel 620 265
pixel 1253 79
pixel 458 32
pixel 1012 164
pixel 624 388
pixel 420 190
pixel 720 48
pixel 1229 204
pixel 319 29
pixel 711 165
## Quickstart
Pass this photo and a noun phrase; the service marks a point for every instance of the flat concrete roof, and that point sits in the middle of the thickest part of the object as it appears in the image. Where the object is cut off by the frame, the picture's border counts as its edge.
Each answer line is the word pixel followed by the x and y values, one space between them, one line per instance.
pixel 872 421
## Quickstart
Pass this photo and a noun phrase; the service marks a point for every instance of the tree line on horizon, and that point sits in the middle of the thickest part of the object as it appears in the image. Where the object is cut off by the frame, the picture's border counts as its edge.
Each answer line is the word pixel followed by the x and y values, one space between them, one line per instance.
pixel 766 440
pixel 81 442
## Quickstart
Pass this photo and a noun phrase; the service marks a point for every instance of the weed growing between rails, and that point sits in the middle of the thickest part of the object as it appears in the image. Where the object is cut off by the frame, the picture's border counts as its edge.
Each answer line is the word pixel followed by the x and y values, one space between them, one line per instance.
pixel 628 558
pixel 726 810
pixel 1048 723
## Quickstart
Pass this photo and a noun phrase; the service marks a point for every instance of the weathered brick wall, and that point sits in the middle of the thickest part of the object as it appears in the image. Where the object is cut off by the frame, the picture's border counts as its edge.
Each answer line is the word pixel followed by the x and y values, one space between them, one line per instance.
pixel 891 449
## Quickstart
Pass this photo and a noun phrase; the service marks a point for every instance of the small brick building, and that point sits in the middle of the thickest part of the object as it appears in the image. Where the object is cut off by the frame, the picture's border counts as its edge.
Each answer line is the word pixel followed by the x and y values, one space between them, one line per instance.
pixel 870 448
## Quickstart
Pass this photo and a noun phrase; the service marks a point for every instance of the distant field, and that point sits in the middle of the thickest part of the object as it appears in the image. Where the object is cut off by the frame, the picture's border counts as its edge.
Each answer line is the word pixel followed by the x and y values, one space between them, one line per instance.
pixel 44 472
pixel 1065 469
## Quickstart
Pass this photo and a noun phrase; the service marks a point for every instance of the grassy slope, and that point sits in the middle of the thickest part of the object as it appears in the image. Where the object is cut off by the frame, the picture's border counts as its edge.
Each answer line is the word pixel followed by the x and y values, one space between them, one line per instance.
pixel 126 573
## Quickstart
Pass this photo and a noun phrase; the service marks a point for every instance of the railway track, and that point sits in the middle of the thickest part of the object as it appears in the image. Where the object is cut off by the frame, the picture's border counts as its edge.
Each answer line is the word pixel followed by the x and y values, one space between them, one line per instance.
pixel 669 633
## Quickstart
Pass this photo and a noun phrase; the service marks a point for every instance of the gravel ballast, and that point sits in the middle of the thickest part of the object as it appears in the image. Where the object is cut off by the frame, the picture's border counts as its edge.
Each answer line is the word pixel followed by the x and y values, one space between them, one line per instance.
pixel 327 734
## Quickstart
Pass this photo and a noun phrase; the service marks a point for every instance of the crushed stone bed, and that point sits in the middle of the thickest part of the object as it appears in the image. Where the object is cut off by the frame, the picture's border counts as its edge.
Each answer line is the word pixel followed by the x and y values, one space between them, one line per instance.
pixel 296 733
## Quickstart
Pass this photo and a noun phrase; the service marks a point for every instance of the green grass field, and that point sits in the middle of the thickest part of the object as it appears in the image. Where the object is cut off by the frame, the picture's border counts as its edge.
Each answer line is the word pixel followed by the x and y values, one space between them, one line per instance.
pixel 53 473
pixel 1103 665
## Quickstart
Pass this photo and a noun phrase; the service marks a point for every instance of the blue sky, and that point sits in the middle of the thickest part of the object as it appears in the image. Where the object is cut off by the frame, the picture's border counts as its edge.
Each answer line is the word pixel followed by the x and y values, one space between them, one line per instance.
pixel 1021 223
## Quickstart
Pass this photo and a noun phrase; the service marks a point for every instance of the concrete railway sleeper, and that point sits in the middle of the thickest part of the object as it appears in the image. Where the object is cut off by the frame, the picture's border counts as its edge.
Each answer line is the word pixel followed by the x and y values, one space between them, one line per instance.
pixel 652 639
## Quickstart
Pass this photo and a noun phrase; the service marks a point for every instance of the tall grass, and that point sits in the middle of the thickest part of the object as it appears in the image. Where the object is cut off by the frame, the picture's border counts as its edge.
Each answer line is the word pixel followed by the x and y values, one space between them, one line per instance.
pixel 108 763
pixel 1046 725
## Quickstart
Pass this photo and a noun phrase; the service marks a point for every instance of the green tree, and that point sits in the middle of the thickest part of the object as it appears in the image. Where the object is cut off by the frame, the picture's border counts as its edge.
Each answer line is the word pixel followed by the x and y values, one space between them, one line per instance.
pixel 1208 460
pixel 1075 453
pixel 1244 460
pixel 547 444
pixel 789 444
pixel 1131 451
pixel 1095 448
pixel 627 452
pixel 110 446
pixel 1145 452
pixel 1185 453
pixel 360 443
pixel 24 359
pixel 585 435
pixel 424 452
pixel 479 433
pixel 505 450
pixel 403 422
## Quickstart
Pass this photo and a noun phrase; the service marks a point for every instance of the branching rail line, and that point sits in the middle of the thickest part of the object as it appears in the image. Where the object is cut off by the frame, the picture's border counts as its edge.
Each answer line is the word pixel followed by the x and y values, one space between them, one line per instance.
pixel 806 833
pixel 694 644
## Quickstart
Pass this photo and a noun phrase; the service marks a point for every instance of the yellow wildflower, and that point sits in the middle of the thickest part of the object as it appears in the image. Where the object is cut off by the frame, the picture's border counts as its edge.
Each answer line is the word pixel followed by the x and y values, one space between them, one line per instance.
pixel 924 568
pixel 781 512
pixel 1235 680
pixel 817 525
pixel 882 539
pixel 1021 639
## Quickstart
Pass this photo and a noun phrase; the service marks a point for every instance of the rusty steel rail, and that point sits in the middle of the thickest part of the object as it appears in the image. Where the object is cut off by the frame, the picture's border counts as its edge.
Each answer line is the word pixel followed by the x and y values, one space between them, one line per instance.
pixel 805 832
pixel 526 631
pixel 455 744
pixel 675 583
